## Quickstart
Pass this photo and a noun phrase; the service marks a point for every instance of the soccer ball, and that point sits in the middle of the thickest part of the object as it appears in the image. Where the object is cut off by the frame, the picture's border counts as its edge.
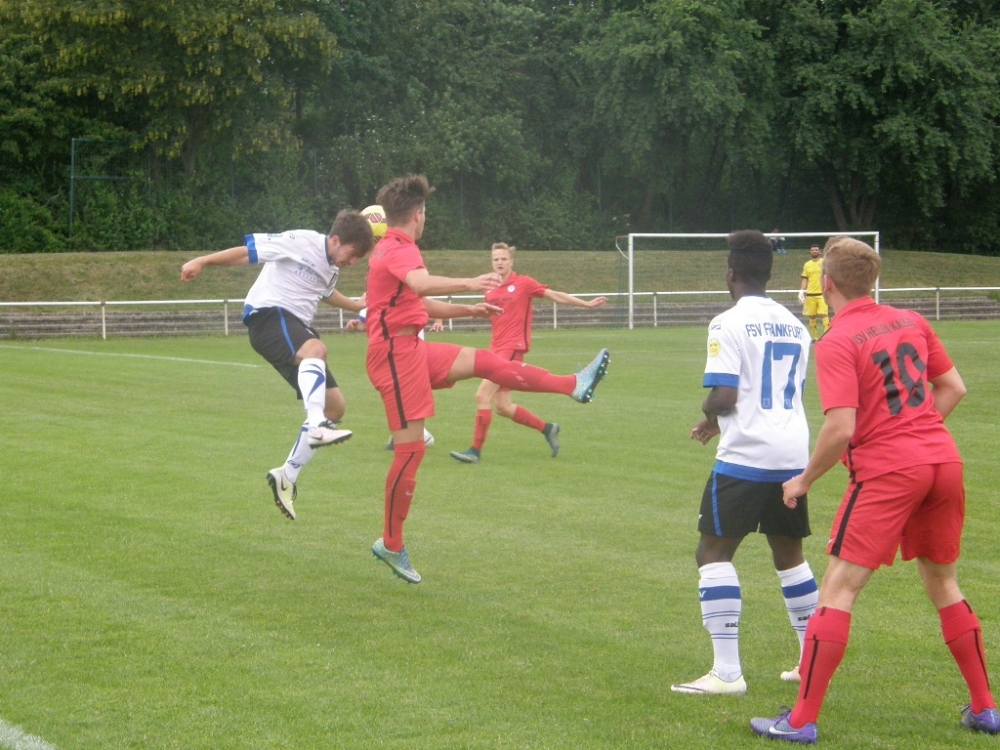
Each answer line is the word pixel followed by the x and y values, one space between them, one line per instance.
pixel 376 217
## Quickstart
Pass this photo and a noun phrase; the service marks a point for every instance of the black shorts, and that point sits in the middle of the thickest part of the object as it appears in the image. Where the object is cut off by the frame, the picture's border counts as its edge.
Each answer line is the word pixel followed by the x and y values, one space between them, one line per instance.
pixel 736 507
pixel 276 334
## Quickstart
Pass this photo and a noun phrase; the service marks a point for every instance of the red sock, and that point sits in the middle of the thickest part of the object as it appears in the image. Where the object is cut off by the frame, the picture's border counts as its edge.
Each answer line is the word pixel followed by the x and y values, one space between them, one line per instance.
pixel 520 377
pixel 400 483
pixel 481 427
pixel 962 634
pixel 525 417
pixel 826 641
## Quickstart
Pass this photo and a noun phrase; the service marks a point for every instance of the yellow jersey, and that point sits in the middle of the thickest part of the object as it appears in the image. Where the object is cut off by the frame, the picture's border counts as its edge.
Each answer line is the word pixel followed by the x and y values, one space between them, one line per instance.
pixel 811 272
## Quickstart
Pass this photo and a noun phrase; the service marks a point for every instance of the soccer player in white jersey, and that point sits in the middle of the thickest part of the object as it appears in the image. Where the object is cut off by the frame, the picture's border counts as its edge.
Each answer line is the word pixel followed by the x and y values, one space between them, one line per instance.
pixel 301 268
pixel 757 357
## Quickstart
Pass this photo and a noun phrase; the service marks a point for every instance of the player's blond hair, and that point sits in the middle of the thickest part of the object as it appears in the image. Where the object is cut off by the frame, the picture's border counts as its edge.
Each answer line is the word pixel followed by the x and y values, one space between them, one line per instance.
pixel 503 246
pixel 852 265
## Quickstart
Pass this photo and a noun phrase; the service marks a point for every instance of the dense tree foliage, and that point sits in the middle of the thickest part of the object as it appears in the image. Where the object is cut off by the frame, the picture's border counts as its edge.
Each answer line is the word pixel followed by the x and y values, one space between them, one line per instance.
pixel 548 124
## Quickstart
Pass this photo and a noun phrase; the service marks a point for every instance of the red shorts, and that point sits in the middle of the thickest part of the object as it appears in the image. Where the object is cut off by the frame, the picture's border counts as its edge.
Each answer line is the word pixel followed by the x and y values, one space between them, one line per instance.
pixel 404 370
pixel 919 510
pixel 511 355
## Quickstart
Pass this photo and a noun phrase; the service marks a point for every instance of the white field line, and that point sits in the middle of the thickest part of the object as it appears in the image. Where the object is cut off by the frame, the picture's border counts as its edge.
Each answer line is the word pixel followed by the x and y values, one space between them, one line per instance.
pixel 13 738
pixel 132 356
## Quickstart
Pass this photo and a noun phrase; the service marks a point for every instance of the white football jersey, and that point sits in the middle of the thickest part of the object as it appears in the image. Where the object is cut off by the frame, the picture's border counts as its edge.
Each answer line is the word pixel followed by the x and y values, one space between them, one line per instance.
pixel 762 350
pixel 297 273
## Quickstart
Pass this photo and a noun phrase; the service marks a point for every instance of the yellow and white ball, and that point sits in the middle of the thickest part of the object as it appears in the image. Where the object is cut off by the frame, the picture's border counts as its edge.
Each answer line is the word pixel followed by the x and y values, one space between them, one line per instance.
pixel 376 217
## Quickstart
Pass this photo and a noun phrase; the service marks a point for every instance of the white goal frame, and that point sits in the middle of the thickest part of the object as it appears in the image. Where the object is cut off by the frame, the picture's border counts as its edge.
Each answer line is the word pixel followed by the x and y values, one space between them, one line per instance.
pixel 713 235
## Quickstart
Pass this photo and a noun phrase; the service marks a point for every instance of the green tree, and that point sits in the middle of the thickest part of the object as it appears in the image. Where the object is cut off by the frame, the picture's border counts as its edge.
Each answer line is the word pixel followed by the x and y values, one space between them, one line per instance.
pixel 681 94
pixel 892 102
pixel 181 75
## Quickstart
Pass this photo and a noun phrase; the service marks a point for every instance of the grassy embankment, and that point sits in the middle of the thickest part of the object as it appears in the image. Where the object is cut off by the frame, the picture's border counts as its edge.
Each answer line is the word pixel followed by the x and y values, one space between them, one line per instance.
pixel 156 274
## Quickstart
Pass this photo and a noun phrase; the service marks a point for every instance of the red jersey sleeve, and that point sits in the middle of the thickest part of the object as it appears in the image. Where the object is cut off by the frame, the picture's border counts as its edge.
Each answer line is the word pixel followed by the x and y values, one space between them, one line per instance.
pixel 938 361
pixel 836 374
pixel 407 258
pixel 535 288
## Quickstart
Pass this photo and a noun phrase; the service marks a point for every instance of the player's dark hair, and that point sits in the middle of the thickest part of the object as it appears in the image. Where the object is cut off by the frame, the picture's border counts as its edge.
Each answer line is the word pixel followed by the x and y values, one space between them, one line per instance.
pixel 750 257
pixel 402 196
pixel 353 229
pixel 852 265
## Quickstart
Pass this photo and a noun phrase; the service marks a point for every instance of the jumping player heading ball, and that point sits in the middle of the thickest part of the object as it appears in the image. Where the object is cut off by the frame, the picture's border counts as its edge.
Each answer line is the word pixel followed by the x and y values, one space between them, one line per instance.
pixel 405 369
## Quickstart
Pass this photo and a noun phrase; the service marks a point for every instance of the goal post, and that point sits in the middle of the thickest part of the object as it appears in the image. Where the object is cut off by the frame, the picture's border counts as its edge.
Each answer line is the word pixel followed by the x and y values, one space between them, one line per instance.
pixel 869 236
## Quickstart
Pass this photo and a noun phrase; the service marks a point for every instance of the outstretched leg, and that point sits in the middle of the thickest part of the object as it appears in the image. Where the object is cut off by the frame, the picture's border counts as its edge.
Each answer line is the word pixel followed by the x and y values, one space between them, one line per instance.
pixel 518 376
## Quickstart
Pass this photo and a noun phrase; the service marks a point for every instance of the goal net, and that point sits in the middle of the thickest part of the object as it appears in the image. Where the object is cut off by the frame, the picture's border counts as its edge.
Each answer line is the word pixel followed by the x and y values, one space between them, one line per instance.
pixel 674 266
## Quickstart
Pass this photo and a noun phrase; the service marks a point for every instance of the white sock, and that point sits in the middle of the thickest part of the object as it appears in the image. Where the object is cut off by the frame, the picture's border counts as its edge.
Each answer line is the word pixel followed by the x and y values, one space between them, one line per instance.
pixel 312 386
pixel 721 605
pixel 301 454
pixel 798 586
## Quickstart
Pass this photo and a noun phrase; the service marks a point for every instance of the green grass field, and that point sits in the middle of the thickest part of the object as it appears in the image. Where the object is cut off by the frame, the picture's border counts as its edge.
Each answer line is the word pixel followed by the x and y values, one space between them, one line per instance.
pixel 153 596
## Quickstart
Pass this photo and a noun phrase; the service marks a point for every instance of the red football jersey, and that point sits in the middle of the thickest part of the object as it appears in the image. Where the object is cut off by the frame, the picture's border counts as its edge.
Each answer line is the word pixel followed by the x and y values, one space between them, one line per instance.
pixel 512 329
pixel 877 359
pixel 392 305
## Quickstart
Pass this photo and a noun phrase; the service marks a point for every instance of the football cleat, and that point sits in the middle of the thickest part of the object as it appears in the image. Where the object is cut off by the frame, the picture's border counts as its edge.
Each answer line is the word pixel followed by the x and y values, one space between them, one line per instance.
pixel 470 456
pixel 326 433
pixel 987 720
pixel 778 728
pixel 792 675
pixel 551 433
pixel 712 684
pixel 284 491
pixel 399 562
pixel 588 378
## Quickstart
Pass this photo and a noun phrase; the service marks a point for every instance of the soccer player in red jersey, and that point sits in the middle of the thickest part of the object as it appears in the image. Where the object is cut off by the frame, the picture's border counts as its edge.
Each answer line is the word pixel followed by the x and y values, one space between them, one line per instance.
pixel 405 369
pixel 886 385
pixel 511 338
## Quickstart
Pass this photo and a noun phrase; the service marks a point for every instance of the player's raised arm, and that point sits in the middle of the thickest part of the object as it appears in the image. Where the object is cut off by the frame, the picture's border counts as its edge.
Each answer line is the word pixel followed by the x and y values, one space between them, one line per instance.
pixel 561 298
pixel 440 310
pixel 234 256
pixel 343 302
pixel 425 285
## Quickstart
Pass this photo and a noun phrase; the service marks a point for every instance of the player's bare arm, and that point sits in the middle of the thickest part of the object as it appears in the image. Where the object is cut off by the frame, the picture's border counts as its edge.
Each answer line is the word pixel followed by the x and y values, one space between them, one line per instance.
pixel 421 282
pixel 948 389
pixel 561 298
pixel 234 256
pixel 832 441
pixel 344 302
pixel 720 400
pixel 438 309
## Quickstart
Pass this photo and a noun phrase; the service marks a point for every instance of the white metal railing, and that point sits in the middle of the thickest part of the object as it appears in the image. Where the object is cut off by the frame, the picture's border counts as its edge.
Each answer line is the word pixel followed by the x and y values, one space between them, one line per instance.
pixel 655 296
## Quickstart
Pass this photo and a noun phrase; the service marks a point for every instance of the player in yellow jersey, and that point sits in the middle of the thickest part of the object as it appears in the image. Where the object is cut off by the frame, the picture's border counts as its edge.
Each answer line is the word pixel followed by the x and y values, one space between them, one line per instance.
pixel 811 293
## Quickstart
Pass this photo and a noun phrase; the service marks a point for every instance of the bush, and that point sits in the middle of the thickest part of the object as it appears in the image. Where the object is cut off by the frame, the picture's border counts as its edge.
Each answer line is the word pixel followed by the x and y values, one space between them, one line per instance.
pixel 26 226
